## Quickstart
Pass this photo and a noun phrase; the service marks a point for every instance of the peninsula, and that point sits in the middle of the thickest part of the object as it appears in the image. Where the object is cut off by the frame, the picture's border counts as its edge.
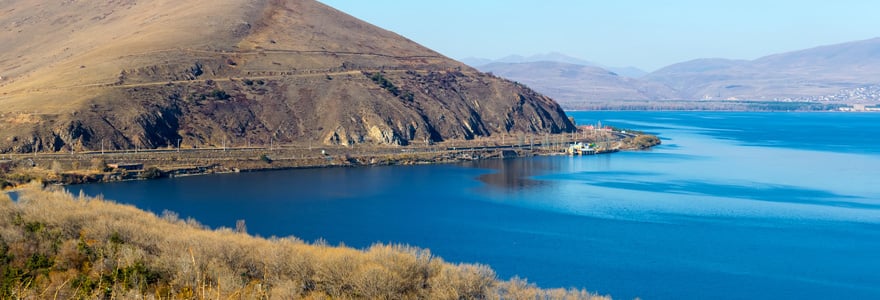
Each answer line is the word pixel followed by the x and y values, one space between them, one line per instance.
pixel 131 90
pixel 106 166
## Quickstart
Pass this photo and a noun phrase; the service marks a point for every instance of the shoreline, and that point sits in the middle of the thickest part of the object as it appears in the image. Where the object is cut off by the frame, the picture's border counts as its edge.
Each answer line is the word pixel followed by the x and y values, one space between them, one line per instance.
pixel 98 167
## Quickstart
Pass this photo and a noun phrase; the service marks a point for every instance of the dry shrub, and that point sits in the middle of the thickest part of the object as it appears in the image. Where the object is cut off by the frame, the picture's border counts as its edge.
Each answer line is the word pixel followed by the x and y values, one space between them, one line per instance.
pixel 517 288
pixel 56 245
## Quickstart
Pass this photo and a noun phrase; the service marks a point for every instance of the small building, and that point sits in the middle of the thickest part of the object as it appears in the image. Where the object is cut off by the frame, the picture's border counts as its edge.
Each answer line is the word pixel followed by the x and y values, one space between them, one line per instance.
pixel 581 149
pixel 127 166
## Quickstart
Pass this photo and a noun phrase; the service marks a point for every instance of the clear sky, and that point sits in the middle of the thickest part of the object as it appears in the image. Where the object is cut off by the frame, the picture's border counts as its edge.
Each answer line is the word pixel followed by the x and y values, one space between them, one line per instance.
pixel 647 34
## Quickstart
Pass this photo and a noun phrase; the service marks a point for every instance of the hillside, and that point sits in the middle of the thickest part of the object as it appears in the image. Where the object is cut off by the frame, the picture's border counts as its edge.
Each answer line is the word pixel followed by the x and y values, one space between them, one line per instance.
pixel 57 246
pixel 148 74
pixel 805 74
pixel 574 85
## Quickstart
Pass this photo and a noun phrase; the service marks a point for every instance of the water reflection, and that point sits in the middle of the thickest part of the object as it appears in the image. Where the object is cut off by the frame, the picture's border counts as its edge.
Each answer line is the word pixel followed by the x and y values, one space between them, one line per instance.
pixel 520 174
pixel 515 174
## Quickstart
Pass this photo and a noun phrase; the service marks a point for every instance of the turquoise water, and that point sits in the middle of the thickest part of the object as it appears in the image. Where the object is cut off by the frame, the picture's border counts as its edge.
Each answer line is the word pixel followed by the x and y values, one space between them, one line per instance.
pixel 731 206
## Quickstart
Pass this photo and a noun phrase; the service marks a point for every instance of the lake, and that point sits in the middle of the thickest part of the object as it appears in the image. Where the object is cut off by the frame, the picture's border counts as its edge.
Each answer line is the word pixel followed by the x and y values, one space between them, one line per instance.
pixel 732 205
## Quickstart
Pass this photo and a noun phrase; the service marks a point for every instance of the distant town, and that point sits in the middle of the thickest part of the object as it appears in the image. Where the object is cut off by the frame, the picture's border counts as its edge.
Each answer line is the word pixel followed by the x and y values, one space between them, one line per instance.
pixel 862 94
pixel 858 99
pixel 860 107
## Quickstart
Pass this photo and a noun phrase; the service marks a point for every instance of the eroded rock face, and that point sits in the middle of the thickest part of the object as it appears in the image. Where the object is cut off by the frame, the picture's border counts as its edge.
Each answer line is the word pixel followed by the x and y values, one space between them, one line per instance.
pixel 344 113
pixel 348 83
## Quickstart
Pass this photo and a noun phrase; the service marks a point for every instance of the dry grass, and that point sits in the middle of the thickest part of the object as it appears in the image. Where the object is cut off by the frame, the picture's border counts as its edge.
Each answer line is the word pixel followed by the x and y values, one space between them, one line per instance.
pixel 60 246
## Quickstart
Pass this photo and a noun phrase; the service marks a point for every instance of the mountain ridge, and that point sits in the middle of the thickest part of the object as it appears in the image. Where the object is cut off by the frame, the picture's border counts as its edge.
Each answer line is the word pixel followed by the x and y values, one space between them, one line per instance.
pixel 839 73
pixel 137 74
pixel 800 74
pixel 572 84
pixel 628 71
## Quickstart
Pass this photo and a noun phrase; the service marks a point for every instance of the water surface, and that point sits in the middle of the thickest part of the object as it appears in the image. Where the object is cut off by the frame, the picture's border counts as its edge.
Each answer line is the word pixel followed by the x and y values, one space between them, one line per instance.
pixel 731 206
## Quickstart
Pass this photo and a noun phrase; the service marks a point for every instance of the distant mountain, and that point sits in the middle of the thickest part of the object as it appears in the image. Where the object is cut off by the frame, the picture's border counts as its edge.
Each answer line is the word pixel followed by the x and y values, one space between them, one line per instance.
pixel 475 61
pixel 842 73
pixel 552 56
pixel 806 74
pixel 629 71
pixel 572 85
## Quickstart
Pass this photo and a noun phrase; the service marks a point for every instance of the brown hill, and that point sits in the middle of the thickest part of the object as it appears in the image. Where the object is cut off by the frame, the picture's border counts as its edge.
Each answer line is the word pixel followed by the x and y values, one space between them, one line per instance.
pixel 77 75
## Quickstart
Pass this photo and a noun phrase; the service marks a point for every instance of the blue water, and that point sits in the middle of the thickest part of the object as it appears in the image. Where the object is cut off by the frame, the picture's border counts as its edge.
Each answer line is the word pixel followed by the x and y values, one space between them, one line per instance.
pixel 731 206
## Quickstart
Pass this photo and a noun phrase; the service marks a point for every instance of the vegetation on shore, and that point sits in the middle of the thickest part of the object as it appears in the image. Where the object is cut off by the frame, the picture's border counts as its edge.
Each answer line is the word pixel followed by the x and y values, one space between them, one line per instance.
pixel 642 141
pixel 60 246
pixel 86 167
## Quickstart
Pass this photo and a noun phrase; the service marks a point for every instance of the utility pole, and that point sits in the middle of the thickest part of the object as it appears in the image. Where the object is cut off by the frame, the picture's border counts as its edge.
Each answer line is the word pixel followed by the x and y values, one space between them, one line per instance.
pixel 178 145
pixel 102 146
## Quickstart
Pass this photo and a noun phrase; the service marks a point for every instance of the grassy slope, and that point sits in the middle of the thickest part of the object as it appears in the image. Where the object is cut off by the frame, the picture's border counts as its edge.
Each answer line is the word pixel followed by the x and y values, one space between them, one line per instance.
pixel 56 245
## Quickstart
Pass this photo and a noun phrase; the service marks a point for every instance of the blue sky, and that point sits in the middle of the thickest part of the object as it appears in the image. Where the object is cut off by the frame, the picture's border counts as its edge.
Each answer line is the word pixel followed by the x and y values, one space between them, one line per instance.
pixel 645 34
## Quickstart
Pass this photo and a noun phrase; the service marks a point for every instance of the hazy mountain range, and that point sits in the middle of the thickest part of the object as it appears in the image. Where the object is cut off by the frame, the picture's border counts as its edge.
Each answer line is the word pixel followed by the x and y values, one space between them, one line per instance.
pixel 848 72
pixel 632 72
pixel 567 82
